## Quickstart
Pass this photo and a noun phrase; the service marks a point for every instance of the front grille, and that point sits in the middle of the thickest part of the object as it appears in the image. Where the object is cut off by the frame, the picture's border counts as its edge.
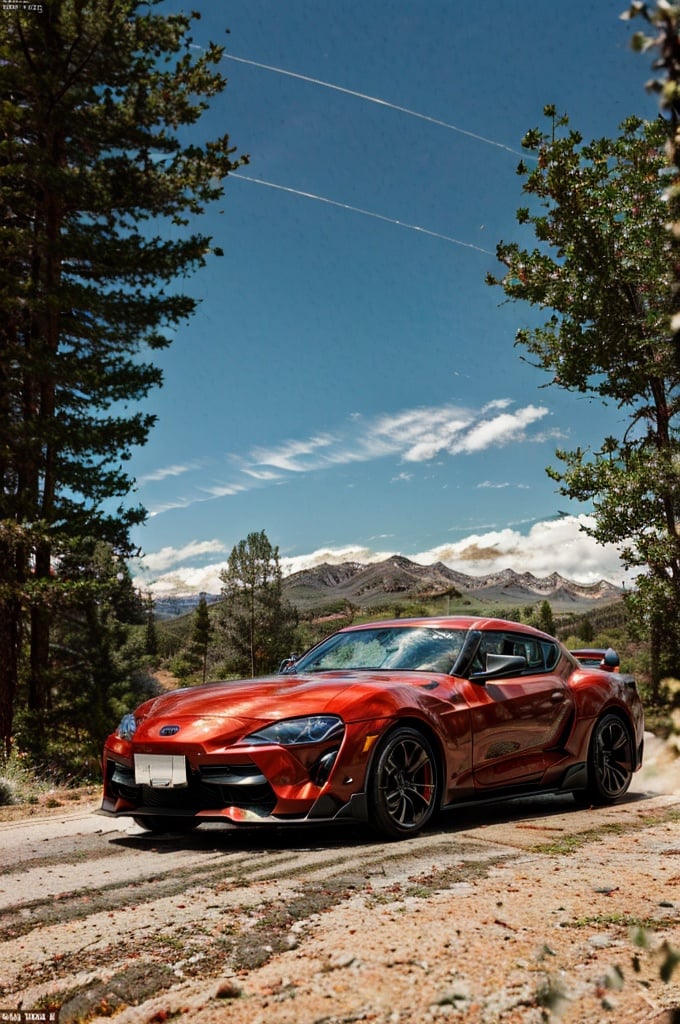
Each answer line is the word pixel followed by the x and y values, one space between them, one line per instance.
pixel 210 789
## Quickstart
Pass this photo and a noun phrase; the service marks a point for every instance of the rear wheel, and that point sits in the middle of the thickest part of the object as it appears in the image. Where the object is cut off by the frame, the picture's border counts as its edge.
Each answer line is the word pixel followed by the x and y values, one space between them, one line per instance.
pixel 403 787
pixel 610 761
pixel 153 823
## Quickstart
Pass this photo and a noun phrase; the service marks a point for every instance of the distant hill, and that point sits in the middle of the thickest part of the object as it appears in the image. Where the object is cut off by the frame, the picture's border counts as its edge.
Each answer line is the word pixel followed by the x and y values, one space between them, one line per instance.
pixel 397 579
pixel 397 576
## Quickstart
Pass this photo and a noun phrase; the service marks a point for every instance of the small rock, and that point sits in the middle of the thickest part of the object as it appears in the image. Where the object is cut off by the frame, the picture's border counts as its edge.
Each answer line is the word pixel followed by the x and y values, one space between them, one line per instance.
pixel 227 990
pixel 341 960
pixel 600 940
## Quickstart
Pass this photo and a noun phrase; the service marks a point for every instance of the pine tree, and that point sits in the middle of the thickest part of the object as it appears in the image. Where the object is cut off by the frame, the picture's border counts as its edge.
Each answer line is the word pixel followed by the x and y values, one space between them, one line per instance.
pixel 150 633
pixel 257 622
pixel 201 634
pixel 96 667
pixel 585 631
pixel 94 95
pixel 544 618
pixel 601 268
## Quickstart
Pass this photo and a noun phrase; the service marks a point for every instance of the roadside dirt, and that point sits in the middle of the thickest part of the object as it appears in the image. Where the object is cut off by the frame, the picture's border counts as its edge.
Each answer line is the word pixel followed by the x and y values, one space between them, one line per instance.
pixel 520 913
pixel 51 803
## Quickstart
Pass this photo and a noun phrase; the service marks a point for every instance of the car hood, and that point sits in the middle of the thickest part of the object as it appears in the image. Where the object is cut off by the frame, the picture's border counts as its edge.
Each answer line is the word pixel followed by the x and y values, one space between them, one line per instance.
pixel 276 697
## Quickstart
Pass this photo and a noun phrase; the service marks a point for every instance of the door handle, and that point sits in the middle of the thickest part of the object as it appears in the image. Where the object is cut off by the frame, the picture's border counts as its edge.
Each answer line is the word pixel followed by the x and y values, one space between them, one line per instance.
pixel 556 697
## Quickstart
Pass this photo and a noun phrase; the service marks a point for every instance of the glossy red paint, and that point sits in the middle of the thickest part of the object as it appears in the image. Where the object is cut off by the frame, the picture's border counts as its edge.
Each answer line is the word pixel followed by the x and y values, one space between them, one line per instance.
pixel 364 728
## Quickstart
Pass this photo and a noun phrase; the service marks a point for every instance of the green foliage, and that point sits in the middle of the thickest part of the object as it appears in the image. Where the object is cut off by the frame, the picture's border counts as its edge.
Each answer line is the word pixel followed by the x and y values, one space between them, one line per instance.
pixel 8 792
pixel 18 782
pixel 509 614
pixel 410 609
pixel 601 265
pixel 664 21
pixel 609 619
pixel 183 666
pixel 94 97
pixel 93 94
pixel 586 631
pixel 542 618
pixel 201 635
pixel 190 663
pixel 257 624
pixel 150 631
pixel 97 662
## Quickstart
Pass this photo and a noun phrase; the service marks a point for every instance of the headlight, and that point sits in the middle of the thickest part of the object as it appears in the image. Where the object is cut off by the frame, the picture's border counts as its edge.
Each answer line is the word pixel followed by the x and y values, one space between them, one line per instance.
pixel 291 731
pixel 127 727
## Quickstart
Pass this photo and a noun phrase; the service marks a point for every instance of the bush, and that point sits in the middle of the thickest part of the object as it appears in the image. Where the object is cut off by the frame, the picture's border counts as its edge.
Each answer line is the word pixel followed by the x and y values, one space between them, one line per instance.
pixel 8 792
pixel 18 782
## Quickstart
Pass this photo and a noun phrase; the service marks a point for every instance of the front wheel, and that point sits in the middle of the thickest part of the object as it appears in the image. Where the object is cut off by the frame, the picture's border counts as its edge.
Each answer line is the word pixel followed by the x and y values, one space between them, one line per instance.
pixel 403 786
pixel 610 761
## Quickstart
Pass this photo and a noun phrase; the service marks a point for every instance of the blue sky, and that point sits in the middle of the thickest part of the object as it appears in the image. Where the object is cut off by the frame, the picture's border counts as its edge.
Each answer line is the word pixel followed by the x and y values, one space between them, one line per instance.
pixel 349 383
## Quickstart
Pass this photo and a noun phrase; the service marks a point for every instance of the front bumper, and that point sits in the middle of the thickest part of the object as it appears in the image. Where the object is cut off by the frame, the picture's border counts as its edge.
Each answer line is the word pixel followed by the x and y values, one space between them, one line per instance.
pixel 237 794
pixel 242 784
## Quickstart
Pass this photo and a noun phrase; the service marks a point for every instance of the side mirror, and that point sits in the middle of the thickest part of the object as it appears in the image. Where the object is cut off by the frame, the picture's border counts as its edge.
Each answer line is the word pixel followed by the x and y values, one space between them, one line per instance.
pixel 498 665
pixel 288 664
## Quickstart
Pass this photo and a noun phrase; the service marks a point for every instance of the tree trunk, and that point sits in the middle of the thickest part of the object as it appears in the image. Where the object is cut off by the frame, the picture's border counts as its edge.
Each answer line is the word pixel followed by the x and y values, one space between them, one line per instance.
pixel 655 643
pixel 10 634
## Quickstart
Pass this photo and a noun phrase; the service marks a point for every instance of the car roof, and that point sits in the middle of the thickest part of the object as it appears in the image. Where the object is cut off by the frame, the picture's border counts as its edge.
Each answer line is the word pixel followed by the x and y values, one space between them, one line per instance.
pixel 452 622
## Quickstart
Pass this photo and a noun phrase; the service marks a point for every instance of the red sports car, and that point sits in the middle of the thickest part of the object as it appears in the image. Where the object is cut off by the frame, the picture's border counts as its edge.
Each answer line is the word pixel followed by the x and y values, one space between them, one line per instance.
pixel 385 723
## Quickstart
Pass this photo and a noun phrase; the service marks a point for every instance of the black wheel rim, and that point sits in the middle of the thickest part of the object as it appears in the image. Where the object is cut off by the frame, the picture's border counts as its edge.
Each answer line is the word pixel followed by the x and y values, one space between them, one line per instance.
pixel 612 757
pixel 408 784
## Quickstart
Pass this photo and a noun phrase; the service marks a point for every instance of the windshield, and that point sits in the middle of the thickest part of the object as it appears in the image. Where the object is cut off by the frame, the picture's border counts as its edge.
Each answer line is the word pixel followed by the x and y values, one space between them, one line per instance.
pixel 413 648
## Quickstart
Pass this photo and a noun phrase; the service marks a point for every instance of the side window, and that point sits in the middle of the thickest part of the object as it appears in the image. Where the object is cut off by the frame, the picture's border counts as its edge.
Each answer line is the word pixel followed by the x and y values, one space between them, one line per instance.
pixel 541 655
pixel 551 654
pixel 491 643
pixel 533 652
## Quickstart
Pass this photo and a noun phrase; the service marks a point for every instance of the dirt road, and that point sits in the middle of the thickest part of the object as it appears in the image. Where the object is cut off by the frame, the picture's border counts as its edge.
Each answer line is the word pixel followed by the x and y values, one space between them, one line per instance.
pixel 517 914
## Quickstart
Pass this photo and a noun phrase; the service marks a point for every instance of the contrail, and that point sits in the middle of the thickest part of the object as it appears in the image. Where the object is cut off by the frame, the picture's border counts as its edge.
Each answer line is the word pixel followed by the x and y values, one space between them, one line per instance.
pixel 365 213
pixel 374 99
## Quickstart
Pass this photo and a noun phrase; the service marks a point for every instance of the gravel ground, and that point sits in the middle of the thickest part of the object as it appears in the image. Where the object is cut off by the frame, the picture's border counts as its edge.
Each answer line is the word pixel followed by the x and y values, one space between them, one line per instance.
pixel 519 914
pixel 578 935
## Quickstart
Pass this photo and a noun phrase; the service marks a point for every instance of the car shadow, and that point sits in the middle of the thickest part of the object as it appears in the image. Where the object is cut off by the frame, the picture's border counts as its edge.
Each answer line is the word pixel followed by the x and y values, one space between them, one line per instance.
pixel 213 836
pixel 515 809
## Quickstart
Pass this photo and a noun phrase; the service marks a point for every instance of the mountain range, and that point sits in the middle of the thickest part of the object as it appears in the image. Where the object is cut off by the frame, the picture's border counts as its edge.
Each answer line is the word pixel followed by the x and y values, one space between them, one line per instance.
pixel 399 579
pixel 398 576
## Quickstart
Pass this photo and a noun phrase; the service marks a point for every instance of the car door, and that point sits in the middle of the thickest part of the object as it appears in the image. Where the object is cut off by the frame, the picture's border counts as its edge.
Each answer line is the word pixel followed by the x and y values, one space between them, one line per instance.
pixel 519 720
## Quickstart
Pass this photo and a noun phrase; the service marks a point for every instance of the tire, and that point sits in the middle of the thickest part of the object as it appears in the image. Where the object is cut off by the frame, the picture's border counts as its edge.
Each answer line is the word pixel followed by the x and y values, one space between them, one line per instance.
pixel 610 760
pixel 160 823
pixel 403 788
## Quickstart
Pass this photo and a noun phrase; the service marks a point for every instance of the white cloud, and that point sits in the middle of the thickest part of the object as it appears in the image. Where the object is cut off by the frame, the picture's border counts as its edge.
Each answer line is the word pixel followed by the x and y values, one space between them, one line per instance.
pixel 496 403
pixel 206 494
pixel 263 475
pixel 415 435
pixel 168 506
pixel 500 485
pixel 556 545
pixel 290 456
pixel 420 434
pixel 501 430
pixel 223 490
pixel 551 546
pixel 170 556
pixel 412 435
pixel 187 580
pixel 334 556
pixel 168 471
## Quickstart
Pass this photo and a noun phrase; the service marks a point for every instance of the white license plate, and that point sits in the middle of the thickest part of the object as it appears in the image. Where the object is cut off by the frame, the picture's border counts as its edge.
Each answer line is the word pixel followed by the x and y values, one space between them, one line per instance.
pixel 161 770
